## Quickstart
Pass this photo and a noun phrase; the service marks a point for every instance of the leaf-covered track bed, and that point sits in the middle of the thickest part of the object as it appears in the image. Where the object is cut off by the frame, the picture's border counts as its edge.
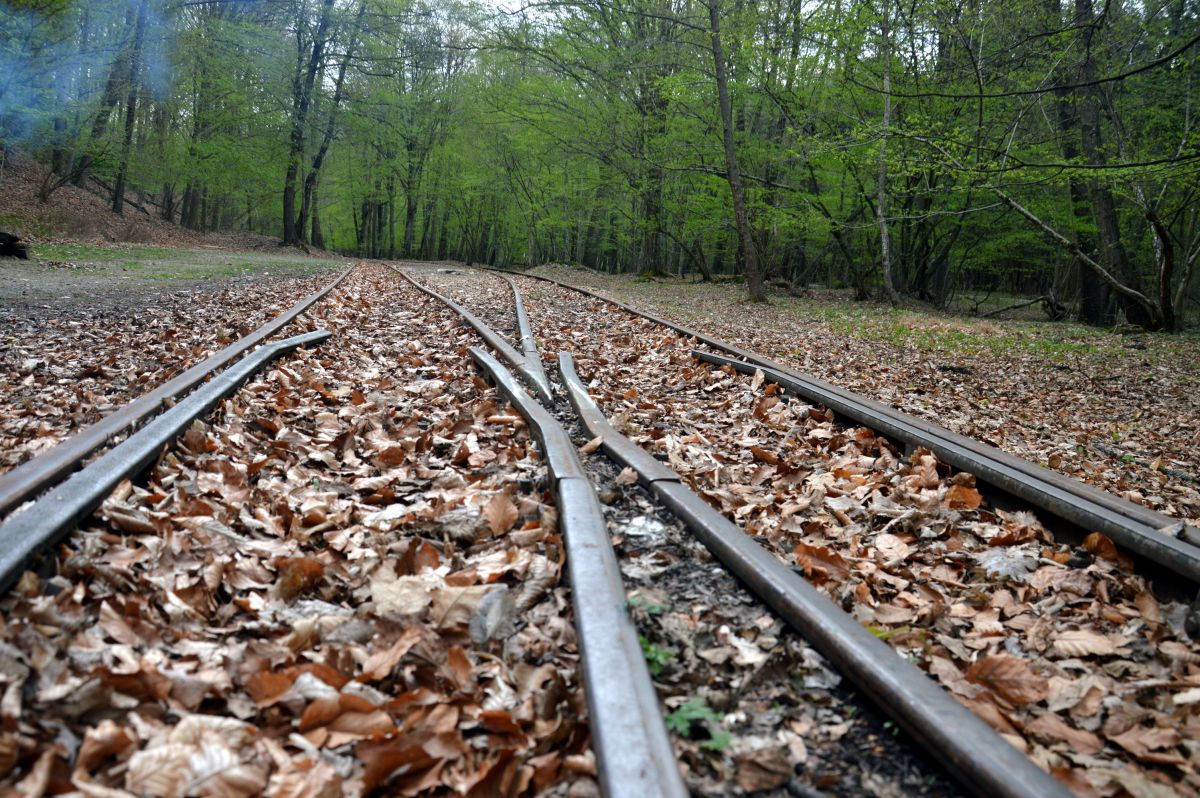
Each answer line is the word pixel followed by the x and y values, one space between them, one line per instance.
pixel 67 369
pixel 490 300
pixel 344 581
pixel 1118 412
pixel 1066 652
pixel 752 708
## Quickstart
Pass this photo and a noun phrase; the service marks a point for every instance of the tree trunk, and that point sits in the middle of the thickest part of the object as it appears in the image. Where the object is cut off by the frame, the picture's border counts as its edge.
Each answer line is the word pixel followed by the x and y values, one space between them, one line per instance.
pixel 135 66
pixel 1095 298
pixel 302 89
pixel 308 202
pixel 1108 231
pixel 749 255
pixel 885 238
pixel 318 236
pixel 100 120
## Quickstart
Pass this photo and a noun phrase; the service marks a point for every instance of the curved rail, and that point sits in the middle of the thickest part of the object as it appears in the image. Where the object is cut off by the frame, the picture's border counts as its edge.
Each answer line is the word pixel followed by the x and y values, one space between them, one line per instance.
pixel 502 347
pixel 528 341
pixel 969 748
pixel 39 473
pixel 1168 543
pixel 30 530
pixel 633 751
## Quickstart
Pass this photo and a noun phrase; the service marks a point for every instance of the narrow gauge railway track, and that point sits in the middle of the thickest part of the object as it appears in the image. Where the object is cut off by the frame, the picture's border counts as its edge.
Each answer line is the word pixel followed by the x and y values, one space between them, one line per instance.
pixel 1170 544
pixel 44 470
pixel 965 745
pixel 1083 622
pixel 343 580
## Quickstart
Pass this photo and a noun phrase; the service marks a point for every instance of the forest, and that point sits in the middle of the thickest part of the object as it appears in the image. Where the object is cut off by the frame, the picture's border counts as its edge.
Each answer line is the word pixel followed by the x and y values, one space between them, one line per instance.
pixel 903 149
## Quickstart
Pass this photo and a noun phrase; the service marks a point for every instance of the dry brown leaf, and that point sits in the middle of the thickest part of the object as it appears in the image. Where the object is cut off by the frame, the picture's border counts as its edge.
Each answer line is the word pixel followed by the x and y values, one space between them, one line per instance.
pixel 380 664
pixel 592 445
pixel 627 476
pixel 962 497
pixel 1141 740
pixel 1051 727
pixel 400 596
pixel 500 514
pixel 307 779
pixel 764 455
pixel 891 548
pixel 764 769
pixel 1010 678
pixel 1082 643
pixel 820 564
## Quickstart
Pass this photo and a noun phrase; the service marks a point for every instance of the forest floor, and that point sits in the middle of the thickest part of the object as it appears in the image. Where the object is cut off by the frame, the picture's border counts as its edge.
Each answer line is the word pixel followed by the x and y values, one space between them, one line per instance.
pixel 1121 412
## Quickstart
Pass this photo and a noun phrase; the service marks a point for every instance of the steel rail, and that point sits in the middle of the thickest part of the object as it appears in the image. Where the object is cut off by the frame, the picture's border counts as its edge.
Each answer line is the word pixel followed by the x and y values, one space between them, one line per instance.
pixel 970 749
pixel 38 526
pixel 39 473
pixel 633 751
pixel 528 341
pixel 493 339
pixel 995 468
pixel 1167 542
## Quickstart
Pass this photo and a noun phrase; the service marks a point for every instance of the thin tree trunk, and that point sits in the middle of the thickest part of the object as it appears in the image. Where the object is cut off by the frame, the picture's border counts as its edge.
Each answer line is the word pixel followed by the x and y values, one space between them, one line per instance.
pixel 1108 231
pixel 135 66
pixel 885 238
pixel 318 237
pixel 1094 295
pixel 302 90
pixel 754 281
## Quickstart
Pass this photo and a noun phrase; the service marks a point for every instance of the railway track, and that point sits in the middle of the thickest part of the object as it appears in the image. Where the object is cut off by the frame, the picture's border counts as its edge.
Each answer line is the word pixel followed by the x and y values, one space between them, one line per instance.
pixel 1171 545
pixel 643 589
pixel 1079 644
pixel 51 466
pixel 341 578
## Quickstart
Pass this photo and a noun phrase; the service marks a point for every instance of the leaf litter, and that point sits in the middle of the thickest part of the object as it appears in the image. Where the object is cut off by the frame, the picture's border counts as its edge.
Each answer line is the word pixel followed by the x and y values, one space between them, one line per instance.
pixel 1122 417
pixel 68 368
pixel 345 581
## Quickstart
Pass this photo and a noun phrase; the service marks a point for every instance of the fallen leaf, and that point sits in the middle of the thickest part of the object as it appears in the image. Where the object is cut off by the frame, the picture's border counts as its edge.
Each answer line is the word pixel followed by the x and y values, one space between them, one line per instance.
pixel 764 769
pixel 1050 726
pixel 1010 678
pixel 1082 643
pixel 500 514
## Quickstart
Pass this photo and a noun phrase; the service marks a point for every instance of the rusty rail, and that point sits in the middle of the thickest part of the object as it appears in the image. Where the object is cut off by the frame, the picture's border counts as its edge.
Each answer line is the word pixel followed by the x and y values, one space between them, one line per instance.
pixel 39 473
pixel 528 341
pixel 970 749
pixel 33 529
pixel 1073 501
pixel 633 752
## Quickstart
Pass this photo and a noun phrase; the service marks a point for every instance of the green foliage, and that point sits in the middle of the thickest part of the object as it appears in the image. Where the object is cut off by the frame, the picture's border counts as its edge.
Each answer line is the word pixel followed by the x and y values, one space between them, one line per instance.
pixel 695 718
pixel 588 133
pixel 657 657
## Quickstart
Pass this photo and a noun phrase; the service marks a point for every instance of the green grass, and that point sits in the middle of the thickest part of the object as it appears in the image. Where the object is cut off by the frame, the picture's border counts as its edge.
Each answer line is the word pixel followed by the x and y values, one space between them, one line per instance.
pixel 169 264
pixel 657 657
pixel 958 335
